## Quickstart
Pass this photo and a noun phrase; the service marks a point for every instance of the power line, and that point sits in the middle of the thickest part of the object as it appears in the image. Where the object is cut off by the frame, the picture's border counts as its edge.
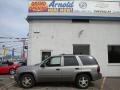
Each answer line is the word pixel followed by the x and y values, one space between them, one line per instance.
pixel 1 37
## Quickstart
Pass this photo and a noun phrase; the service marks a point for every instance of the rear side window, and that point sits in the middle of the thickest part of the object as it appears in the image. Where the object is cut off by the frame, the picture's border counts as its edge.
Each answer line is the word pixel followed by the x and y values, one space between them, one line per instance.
pixel 88 60
pixel 70 61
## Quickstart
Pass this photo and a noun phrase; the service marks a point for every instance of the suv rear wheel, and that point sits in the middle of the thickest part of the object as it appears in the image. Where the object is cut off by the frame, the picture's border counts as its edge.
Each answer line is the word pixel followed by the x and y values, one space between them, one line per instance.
pixel 27 81
pixel 82 81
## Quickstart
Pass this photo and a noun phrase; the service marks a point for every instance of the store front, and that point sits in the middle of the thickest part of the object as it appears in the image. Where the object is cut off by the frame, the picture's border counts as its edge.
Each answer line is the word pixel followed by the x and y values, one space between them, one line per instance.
pixel 75 27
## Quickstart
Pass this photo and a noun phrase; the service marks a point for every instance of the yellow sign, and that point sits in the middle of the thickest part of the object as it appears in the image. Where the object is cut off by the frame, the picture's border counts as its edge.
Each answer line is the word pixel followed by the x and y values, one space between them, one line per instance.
pixel 5 51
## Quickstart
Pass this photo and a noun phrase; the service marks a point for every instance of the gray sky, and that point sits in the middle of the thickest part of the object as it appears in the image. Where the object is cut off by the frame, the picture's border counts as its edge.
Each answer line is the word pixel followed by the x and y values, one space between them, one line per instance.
pixel 13 15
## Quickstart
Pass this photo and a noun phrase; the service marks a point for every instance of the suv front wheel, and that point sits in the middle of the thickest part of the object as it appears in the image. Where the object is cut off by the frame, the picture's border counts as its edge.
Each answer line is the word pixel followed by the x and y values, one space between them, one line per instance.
pixel 82 81
pixel 27 81
pixel 12 71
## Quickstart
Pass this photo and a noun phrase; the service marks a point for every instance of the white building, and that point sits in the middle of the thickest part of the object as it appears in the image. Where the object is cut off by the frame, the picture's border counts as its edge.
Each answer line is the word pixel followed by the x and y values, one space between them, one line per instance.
pixel 53 33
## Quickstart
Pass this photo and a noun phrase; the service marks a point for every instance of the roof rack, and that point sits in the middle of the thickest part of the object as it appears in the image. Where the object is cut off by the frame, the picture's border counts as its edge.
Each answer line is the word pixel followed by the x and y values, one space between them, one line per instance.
pixel 73 54
pixel 66 54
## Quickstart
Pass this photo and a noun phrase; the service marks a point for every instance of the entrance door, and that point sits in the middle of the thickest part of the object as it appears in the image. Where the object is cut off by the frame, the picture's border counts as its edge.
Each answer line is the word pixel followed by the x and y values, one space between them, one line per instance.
pixel 45 54
pixel 81 49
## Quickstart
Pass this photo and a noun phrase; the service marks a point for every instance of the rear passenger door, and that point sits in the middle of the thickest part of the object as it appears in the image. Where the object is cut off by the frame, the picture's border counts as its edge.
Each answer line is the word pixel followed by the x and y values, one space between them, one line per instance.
pixel 70 66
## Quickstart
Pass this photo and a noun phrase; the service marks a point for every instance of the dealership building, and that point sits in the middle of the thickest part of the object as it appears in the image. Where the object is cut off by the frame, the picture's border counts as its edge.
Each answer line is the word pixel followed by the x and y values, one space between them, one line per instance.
pixel 75 27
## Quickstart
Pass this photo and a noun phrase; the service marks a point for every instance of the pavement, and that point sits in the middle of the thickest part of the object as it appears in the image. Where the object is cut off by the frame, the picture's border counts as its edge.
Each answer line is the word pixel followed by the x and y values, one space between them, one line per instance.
pixel 6 81
pixel 110 83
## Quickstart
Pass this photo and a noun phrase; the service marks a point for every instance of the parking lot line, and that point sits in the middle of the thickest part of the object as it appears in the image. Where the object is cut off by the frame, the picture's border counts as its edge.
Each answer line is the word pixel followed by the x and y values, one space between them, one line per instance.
pixel 7 86
pixel 103 82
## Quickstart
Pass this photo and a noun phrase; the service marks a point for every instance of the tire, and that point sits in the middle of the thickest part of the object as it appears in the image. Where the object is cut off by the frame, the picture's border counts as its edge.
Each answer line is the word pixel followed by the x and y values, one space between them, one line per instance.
pixel 27 81
pixel 82 81
pixel 12 71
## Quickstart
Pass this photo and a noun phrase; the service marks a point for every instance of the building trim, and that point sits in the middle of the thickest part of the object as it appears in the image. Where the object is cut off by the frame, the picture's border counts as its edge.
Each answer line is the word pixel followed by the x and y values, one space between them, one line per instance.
pixel 29 18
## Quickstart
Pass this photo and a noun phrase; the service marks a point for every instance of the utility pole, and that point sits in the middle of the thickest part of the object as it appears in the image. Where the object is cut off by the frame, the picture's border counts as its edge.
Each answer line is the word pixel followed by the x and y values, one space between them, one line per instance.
pixel 23 49
pixel 13 53
pixel 3 47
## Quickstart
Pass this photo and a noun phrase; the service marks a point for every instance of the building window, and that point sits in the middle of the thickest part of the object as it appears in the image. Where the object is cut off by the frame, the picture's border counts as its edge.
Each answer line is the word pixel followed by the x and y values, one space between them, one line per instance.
pixel 70 61
pixel 81 49
pixel 45 54
pixel 114 53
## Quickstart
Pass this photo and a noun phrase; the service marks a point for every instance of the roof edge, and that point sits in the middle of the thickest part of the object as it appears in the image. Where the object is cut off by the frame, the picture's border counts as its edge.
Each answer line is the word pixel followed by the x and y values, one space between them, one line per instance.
pixel 29 18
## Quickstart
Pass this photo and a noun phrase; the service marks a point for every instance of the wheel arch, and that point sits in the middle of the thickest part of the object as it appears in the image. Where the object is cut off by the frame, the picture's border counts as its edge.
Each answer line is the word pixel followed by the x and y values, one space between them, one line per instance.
pixel 27 73
pixel 11 69
pixel 86 73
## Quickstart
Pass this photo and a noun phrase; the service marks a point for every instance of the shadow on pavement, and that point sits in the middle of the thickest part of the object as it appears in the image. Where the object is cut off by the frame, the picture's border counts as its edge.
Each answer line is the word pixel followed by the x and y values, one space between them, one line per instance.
pixel 56 86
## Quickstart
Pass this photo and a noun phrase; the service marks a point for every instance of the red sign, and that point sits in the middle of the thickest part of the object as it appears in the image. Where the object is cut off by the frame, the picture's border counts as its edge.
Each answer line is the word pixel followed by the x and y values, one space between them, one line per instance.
pixel 38 6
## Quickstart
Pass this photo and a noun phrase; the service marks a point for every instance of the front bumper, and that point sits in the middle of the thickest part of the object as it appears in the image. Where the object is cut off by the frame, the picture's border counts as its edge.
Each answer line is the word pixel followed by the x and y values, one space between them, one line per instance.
pixel 16 78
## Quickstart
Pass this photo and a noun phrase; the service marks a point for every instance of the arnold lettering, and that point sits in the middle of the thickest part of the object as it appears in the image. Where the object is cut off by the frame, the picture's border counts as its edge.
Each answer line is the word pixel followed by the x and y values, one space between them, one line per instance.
pixel 54 4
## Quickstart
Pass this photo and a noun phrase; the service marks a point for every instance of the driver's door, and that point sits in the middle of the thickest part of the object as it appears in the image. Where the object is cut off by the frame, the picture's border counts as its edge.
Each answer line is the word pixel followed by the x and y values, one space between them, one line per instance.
pixel 51 72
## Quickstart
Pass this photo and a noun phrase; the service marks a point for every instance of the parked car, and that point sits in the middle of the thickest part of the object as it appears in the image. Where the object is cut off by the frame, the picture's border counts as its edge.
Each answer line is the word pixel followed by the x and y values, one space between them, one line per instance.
pixel 7 67
pixel 21 63
pixel 80 69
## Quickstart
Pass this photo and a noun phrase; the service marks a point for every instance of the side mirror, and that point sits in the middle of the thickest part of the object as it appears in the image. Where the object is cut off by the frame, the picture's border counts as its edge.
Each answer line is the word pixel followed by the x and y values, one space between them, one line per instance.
pixel 42 65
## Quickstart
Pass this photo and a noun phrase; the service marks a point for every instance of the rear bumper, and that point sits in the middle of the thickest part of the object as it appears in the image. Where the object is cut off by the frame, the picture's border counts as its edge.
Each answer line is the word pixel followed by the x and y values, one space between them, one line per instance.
pixel 97 76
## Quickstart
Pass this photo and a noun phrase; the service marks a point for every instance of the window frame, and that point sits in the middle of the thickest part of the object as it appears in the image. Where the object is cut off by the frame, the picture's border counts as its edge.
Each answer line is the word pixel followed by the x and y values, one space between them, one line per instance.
pixel 94 61
pixel 82 45
pixel 70 65
pixel 50 59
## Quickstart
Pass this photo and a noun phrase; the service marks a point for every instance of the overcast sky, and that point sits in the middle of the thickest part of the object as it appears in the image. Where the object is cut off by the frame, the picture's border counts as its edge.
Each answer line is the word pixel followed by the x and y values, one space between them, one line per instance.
pixel 13 15
pixel 13 22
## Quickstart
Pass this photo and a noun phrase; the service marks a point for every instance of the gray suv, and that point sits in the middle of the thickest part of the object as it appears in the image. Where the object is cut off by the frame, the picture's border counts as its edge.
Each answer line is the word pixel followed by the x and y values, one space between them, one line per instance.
pixel 80 69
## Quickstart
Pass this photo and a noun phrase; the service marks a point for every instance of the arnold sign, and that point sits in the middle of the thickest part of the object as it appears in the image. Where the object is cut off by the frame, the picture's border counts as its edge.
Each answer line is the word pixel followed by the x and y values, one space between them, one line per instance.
pixel 75 8
pixel 51 6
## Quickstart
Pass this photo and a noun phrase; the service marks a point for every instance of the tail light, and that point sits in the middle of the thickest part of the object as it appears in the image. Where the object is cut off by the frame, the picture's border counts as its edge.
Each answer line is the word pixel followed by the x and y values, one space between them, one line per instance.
pixel 98 69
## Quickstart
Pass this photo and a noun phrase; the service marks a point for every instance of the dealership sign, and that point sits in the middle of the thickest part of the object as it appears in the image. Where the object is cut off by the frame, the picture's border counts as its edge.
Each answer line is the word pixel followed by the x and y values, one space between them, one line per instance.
pixel 51 6
pixel 75 8
pixel 100 7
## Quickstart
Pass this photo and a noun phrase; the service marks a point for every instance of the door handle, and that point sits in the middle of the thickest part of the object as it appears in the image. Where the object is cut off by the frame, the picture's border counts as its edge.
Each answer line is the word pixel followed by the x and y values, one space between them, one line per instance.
pixel 77 68
pixel 58 69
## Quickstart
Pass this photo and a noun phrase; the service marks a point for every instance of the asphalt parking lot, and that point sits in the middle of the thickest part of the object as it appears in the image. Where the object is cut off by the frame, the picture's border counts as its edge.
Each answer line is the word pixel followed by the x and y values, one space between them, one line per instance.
pixel 7 83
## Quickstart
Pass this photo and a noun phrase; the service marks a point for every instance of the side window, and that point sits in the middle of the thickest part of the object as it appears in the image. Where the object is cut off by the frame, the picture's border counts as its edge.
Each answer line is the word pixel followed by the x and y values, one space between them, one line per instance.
pixel 88 60
pixel 70 61
pixel 3 64
pixel 53 61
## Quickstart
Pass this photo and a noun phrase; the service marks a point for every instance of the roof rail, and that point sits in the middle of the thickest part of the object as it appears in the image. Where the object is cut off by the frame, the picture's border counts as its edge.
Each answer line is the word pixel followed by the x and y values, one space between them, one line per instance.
pixel 66 54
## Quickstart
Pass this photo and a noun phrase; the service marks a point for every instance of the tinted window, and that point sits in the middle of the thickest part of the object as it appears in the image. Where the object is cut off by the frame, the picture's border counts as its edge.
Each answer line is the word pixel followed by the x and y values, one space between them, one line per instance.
pixel 54 61
pixel 81 49
pixel 114 54
pixel 70 61
pixel 88 60
pixel 3 64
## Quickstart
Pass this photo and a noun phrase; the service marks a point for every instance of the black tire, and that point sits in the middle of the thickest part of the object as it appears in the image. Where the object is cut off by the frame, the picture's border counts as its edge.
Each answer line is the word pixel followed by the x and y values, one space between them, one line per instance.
pixel 27 81
pixel 12 71
pixel 82 81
